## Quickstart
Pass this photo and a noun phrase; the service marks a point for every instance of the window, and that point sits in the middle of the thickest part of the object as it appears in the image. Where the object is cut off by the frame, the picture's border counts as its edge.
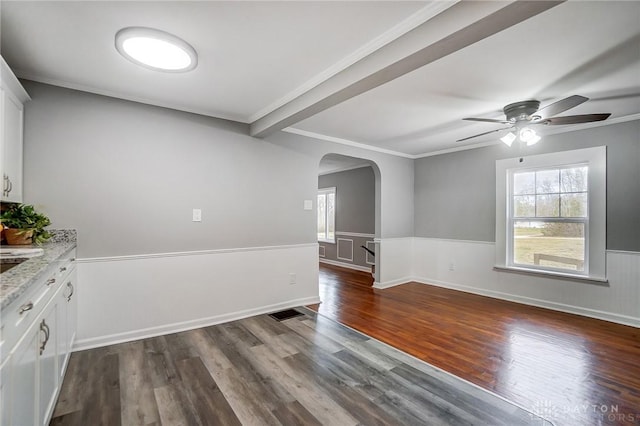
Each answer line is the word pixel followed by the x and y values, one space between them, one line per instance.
pixel 327 215
pixel 550 213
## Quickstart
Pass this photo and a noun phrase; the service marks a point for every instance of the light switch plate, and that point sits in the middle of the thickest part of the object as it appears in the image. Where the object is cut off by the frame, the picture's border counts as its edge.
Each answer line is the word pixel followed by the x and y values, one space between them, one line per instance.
pixel 197 215
pixel 308 205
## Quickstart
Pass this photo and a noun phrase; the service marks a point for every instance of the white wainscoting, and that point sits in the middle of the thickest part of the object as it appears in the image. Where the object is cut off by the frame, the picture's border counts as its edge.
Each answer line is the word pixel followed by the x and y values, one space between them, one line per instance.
pixel 394 257
pixel 346 265
pixel 345 249
pixel 369 259
pixel 472 263
pixel 133 297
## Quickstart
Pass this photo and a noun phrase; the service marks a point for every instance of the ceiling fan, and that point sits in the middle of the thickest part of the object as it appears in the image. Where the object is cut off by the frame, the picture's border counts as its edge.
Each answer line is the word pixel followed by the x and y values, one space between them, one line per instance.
pixel 521 115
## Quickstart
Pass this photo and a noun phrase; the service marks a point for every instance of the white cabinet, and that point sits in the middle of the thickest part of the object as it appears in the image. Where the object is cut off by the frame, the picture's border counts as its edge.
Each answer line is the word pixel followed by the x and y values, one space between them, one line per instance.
pixel 20 389
pixel 12 98
pixel 4 393
pixel 48 378
pixel 68 319
pixel 38 333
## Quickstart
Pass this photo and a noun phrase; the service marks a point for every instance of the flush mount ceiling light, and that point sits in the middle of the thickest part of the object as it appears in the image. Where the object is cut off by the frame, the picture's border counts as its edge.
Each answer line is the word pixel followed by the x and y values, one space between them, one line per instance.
pixel 156 50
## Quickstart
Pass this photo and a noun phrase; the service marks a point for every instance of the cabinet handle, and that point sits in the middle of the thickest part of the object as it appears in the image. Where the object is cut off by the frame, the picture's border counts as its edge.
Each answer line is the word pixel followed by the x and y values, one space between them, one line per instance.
pixel 44 328
pixel 10 185
pixel 26 307
pixel 70 288
pixel 64 268
pixel 51 281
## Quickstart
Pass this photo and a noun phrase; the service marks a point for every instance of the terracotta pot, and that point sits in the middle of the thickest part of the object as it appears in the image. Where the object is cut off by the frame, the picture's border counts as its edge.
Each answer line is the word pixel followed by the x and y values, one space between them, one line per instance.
pixel 18 237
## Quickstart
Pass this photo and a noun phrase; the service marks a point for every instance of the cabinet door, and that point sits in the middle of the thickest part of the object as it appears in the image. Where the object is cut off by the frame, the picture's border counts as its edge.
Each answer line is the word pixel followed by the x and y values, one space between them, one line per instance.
pixel 5 386
pixel 12 116
pixel 71 292
pixel 21 397
pixel 67 310
pixel 48 351
pixel 4 174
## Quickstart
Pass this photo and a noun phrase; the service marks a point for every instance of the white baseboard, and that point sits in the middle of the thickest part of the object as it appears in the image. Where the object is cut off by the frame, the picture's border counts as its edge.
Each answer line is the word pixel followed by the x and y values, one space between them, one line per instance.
pixel 392 283
pixel 113 339
pixel 591 313
pixel 135 297
pixel 346 265
pixel 469 266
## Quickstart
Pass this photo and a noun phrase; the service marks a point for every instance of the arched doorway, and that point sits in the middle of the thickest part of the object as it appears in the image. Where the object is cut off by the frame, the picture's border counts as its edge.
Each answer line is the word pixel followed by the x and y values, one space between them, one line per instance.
pixel 348 212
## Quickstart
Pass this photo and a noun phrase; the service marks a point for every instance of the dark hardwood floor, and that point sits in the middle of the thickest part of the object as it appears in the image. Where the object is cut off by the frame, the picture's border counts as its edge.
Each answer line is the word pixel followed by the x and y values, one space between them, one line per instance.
pixel 570 369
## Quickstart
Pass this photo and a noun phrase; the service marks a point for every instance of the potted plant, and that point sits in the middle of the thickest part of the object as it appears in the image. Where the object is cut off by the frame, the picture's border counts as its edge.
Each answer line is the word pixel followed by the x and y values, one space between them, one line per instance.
pixel 24 225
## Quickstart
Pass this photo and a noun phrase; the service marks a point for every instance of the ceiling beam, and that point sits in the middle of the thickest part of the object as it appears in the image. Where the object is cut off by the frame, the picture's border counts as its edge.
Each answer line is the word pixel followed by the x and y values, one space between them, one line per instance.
pixel 460 26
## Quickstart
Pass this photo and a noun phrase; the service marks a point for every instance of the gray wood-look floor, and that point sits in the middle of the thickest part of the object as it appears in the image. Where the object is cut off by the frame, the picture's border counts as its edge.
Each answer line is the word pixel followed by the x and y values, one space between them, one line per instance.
pixel 306 370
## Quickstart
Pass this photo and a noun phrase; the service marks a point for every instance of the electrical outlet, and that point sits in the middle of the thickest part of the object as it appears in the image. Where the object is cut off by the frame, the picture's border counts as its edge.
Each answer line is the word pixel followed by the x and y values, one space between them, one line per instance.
pixel 451 266
pixel 197 215
pixel 292 278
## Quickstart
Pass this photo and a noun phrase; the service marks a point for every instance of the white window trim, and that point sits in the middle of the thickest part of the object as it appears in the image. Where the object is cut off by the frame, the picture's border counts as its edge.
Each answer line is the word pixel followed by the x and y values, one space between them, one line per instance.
pixel 329 190
pixel 595 257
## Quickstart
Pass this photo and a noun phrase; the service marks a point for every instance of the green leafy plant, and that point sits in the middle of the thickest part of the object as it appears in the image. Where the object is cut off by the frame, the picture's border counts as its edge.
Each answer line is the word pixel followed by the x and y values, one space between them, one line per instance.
pixel 26 218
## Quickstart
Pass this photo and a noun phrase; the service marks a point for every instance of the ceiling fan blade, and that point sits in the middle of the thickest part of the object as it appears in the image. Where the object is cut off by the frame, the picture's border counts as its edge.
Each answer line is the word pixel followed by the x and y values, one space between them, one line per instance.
pixel 560 106
pixel 575 119
pixel 482 134
pixel 488 120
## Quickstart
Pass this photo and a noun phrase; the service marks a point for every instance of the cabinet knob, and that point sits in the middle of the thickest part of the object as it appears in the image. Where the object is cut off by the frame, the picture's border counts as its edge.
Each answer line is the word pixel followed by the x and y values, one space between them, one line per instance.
pixel 64 268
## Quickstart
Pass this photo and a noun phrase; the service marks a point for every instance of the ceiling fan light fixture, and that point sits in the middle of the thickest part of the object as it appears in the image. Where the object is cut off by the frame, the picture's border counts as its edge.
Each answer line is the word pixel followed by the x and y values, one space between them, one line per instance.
pixel 534 140
pixel 508 138
pixel 529 136
pixel 519 115
pixel 156 50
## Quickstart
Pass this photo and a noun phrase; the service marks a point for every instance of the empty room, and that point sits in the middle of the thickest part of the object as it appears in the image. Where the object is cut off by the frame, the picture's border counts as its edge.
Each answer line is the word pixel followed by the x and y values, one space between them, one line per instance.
pixel 320 212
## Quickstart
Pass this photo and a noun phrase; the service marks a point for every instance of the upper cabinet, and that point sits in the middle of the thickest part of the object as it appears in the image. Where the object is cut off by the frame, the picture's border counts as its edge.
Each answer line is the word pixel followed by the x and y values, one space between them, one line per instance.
pixel 12 98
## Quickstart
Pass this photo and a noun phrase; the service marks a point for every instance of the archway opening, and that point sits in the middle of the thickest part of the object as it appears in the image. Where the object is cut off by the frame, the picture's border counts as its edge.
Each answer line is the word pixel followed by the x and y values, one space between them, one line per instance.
pixel 348 209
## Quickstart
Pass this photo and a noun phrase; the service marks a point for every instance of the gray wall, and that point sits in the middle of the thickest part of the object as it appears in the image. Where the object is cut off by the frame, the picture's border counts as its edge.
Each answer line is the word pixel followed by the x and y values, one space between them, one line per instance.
pixel 355 199
pixel 355 211
pixel 455 193
pixel 127 175
pixel 394 174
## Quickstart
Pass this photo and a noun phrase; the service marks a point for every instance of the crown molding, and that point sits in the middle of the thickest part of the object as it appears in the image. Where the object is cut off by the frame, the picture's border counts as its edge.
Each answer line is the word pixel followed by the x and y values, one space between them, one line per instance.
pixel 118 95
pixel 554 131
pixel 346 142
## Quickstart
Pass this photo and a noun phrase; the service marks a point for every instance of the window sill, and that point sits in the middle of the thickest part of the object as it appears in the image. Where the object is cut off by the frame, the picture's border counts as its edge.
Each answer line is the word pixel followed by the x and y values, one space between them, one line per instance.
pixel 547 274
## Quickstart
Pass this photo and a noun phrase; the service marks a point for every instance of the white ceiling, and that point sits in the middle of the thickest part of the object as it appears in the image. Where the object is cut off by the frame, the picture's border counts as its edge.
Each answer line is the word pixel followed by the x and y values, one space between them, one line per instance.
pixel 345 71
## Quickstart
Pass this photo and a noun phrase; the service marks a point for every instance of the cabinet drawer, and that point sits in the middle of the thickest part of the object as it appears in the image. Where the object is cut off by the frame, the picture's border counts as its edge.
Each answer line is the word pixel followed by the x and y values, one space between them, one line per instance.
pixel 23 311
pixel 64 265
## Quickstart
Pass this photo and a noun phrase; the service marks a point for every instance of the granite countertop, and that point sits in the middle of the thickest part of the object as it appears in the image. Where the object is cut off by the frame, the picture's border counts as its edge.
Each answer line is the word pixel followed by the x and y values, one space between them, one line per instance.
pixel 17 280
